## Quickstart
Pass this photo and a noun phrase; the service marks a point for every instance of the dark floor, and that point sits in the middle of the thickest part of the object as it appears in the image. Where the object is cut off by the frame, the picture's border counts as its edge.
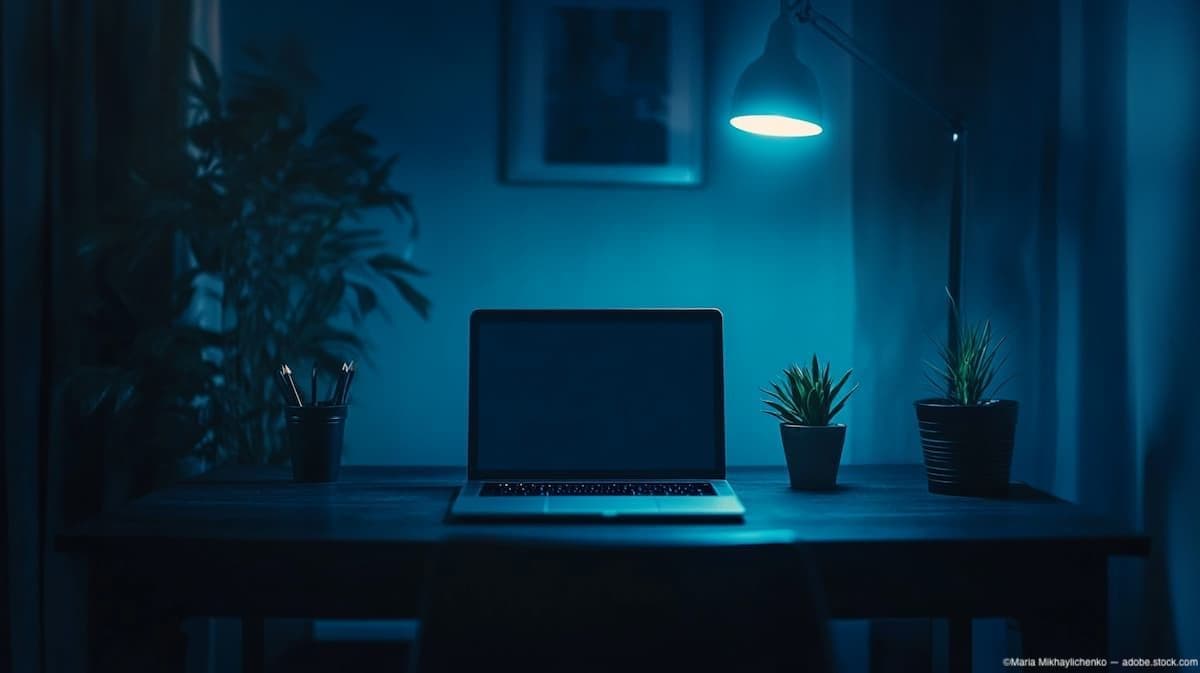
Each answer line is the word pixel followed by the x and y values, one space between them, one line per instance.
pixel 344 657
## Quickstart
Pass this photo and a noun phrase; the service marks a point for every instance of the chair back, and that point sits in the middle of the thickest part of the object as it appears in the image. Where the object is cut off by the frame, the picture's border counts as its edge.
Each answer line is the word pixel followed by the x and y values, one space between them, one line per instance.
pixel 540 605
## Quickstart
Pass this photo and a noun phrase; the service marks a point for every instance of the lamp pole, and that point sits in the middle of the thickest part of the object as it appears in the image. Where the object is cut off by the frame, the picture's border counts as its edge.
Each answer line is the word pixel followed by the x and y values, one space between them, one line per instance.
pixel 805 13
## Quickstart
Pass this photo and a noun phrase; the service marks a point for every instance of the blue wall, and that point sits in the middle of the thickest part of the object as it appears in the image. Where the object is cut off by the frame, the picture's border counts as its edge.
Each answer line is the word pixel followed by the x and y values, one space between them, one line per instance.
pixel 767 239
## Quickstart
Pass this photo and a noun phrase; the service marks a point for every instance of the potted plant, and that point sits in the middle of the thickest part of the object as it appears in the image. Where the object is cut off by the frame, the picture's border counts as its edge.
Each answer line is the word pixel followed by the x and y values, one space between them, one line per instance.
pixel 285 226
pixel 967 434
pixel 804 402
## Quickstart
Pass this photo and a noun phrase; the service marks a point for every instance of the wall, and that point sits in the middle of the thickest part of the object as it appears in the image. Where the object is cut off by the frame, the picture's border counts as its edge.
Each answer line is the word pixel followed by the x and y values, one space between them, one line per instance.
pixel 768 238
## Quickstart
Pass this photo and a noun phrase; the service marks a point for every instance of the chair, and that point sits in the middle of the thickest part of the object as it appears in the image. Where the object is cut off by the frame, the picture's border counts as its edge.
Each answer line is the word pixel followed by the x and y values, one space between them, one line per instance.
pixel 692 605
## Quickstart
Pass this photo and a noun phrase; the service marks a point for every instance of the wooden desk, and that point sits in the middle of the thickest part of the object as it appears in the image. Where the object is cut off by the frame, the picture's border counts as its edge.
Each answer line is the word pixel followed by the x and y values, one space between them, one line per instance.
pixel 246 542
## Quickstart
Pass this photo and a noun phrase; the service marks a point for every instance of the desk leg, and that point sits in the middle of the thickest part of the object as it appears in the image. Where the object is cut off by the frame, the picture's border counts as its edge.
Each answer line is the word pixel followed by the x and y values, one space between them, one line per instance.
pixel 959 637
pixel 1074 621
pixel 128 630
pixel 253 646
pixel 900 645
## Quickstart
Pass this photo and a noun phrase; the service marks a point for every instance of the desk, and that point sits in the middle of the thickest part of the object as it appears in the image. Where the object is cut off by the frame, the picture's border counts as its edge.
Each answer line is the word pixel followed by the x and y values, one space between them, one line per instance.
pixel 244 541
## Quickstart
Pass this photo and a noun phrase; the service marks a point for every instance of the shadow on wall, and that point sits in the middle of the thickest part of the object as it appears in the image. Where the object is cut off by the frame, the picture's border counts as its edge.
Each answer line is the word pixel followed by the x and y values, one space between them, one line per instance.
pixel 966 61
pixel 902 179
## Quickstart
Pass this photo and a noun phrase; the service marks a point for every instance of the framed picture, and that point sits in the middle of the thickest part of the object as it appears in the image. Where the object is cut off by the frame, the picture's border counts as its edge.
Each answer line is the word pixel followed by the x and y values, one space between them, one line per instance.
pixel 605 91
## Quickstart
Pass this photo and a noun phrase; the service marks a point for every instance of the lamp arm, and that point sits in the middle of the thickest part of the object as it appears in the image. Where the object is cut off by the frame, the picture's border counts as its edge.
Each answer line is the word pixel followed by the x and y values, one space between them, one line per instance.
pixel 806 13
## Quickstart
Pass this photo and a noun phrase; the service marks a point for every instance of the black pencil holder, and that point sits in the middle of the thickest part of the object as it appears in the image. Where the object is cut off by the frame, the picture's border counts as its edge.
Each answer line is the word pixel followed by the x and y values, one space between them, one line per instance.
pixel 315 437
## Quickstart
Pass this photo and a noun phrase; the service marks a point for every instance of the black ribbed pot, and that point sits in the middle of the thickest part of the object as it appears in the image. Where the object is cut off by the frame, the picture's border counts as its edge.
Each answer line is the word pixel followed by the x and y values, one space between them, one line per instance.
pixel 967 449
pixel 813 454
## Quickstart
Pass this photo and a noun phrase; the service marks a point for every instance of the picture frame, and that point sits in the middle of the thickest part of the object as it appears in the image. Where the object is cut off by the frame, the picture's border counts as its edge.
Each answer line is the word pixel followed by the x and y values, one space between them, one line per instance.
pixel 604 92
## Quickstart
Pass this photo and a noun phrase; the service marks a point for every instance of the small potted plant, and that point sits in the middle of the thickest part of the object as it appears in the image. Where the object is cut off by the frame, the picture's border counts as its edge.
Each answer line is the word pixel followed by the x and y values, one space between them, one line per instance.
pixel 804 402
pixel 967 434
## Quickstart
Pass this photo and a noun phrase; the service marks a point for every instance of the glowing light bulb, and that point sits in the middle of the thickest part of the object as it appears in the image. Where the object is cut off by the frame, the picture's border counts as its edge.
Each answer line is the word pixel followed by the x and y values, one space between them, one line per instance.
pixel 778 126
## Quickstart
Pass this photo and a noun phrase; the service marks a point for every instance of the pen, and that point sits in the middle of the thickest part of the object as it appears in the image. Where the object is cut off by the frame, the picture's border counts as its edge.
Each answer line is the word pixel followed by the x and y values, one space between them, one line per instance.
pixel 349 379
pixel 287 373
pixel 281 384
pixel 333 390
pixel 314 387
pixel 339 386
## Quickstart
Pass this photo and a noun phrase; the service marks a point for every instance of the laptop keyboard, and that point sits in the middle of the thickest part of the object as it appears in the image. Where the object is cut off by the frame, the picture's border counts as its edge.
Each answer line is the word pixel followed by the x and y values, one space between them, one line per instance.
pixel 597 488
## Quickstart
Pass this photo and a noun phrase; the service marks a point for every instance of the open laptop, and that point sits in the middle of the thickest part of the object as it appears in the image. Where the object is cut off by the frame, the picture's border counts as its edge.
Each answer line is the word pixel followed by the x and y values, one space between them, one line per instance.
pixel 596 413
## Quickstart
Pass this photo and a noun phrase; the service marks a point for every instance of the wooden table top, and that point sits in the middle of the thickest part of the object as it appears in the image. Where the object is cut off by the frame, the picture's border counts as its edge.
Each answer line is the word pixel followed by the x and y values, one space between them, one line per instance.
pixel 875 506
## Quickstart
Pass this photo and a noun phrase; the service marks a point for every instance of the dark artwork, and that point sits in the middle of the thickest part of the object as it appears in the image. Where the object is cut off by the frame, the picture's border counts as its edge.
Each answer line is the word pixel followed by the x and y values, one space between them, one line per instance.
pixel 606 86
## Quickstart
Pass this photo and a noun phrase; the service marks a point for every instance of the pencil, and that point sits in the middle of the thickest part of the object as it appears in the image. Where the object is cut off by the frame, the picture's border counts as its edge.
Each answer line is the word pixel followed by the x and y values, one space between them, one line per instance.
pixel 287 373
pixel 349 379
pixel 281 383
pixel 341 385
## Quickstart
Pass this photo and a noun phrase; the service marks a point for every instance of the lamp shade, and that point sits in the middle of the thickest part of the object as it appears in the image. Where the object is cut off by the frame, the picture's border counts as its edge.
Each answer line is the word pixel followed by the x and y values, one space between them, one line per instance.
pixel 777 95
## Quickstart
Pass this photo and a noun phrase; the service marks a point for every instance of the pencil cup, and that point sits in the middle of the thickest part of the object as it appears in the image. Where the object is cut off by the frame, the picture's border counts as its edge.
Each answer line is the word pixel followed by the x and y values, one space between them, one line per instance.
pixel 315 438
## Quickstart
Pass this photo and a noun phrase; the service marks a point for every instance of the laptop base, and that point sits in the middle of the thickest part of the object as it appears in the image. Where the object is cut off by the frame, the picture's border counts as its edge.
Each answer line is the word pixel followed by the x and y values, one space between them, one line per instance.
pixel 469 504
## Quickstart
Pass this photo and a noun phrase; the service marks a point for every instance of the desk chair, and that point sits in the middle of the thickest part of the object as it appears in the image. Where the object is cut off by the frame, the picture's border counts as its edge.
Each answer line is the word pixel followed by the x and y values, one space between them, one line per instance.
pixel 555 605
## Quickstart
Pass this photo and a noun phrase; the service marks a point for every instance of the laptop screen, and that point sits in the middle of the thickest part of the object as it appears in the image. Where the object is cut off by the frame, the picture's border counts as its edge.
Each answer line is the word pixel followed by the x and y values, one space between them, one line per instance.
pixel 633 393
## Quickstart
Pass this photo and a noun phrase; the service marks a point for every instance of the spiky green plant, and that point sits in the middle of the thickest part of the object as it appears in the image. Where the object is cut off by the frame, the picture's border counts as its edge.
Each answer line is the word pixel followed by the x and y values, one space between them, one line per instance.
pixel 968 365
pixel 806 396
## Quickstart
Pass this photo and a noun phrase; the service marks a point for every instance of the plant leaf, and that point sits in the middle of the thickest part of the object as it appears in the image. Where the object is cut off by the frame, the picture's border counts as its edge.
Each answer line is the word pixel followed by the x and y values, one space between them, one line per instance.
pixel 210 83
pixel 366 297
pixel 841 382
pixel 419 302
pixel 780 409
pixel 389 262
pixel 838 407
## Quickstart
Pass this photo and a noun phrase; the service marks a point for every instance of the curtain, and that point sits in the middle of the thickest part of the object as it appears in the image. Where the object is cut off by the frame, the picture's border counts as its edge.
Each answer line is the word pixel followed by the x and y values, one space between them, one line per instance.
pixel 87 86
pixel 26 149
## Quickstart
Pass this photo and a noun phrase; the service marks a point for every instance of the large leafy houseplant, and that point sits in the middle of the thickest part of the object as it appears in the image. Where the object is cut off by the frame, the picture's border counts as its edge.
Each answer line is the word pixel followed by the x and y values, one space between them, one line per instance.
pixel 275 259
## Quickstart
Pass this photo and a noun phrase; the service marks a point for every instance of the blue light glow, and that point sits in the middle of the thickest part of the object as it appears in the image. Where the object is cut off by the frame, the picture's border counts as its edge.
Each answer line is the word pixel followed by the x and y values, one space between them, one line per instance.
pixel 777 126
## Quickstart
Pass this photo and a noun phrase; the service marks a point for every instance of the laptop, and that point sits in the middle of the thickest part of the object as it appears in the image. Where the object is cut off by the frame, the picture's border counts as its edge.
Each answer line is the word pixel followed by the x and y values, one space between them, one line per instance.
pixel 606 414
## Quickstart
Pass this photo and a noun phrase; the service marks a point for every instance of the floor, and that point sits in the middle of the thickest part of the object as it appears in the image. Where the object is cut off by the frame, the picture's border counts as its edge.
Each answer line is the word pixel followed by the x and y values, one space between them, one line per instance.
pixel 344 657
